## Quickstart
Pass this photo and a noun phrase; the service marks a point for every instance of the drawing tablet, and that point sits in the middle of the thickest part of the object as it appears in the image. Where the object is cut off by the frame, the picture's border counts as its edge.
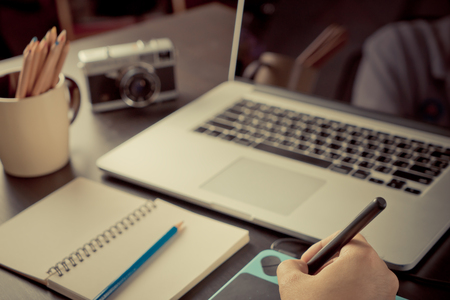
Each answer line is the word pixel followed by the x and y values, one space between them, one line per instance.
pixel 257 280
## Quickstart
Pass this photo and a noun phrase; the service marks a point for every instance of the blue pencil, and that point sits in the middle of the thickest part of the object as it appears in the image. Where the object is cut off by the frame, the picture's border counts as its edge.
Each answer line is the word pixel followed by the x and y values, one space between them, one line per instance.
pixel 122 278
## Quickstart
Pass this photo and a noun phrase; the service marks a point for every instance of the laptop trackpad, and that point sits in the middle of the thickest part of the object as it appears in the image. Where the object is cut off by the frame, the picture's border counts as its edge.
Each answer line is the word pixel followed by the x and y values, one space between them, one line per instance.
pixel 263 185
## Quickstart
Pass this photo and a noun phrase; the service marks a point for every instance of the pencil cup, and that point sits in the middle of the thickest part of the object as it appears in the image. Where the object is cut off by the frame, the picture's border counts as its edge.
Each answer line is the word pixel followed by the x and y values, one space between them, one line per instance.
pixel 34 131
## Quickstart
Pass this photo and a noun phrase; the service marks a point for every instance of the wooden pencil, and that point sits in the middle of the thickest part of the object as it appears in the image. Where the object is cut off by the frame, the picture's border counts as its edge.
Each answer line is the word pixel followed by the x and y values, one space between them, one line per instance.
pixel 29 45
pixel 21 88
pixel 52 37
pixel 60 64
pixel 35 54
pixel 41 59
pixel 23 76
pixel 40 82
pixel 45 78
pixel 60 44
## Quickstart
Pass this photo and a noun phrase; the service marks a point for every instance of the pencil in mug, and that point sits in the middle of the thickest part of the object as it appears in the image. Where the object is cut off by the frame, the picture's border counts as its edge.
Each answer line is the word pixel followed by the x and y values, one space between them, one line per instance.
pixel 45 77
pixel 24 74
pixel 51 37
pixel 41 48
pixel 29 45
pixel 41 56
pixel 60 64
pixel 25 71
pixel 60 44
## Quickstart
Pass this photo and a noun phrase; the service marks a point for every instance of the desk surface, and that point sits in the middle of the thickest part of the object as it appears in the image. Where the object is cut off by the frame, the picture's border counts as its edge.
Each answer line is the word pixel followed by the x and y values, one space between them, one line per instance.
pixel 203 38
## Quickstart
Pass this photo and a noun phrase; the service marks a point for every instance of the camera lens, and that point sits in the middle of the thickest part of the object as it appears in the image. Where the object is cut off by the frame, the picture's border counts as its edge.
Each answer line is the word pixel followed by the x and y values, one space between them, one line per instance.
pixel 139 86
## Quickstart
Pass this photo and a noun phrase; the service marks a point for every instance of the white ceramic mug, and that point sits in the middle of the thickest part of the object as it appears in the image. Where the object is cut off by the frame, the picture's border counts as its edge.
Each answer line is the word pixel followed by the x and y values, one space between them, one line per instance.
pixel 34 131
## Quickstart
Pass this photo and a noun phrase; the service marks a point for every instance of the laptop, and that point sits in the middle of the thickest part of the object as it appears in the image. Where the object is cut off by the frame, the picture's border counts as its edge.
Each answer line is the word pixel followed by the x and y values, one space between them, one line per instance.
pixel 291 155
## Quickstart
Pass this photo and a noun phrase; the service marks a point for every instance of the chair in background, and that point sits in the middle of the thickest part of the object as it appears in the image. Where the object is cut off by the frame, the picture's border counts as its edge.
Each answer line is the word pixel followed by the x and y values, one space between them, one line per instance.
pixel 298 74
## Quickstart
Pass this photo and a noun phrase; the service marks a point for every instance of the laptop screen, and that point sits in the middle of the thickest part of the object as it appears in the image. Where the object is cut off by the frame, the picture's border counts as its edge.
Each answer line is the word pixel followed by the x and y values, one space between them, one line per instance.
pixel 385 56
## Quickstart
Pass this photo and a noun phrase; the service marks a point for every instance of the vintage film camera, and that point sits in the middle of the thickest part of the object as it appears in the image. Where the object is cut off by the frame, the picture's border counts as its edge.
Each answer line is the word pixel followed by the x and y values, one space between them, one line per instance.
pixel 129 75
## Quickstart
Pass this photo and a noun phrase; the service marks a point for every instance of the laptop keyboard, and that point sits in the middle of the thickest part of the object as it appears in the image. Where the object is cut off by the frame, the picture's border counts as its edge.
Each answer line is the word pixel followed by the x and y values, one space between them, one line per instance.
pixel 366 154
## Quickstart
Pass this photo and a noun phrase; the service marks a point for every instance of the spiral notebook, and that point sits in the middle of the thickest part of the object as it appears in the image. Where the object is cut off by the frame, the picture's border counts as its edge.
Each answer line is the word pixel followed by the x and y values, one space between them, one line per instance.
pixel 80 238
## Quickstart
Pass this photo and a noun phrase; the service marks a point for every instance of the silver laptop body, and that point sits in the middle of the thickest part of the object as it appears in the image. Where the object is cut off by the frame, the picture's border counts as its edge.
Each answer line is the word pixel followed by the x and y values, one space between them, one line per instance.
pixel 295 176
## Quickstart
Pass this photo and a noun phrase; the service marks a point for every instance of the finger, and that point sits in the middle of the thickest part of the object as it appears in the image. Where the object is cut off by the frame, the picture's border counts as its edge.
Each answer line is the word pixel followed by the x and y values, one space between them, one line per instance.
pixel 358 244
pixel 360 237
pixel 316 247
pixel 292 276
pixel 292 265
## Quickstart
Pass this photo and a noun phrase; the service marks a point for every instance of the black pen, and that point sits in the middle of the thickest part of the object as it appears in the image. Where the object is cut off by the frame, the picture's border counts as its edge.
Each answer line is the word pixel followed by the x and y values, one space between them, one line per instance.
pixel 346 235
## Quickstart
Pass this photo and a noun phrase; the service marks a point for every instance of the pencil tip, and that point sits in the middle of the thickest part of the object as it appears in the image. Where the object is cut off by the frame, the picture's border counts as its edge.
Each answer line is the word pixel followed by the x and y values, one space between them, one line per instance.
pixel 178 226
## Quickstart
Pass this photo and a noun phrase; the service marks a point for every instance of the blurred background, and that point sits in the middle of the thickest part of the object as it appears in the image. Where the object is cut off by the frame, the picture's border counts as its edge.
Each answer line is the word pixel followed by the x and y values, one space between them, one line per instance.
pixel 21 20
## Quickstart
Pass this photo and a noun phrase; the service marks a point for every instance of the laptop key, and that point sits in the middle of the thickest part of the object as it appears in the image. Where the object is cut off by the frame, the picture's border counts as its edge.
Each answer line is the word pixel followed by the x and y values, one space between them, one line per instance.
pixel 201 129
pixel 413 177
pixel 383 169
pixel 361 174
pixel 372 137
pixel 383 159
pixel 229 137
pixel 355 142
pixel 371 147
pixel 333 155
pixel 376 180
pixel 341 169
pixel 401 164
pixel 318 151
pixel 396 184
pixel 294 155
pixel 425 170
pixel 439 164
pixel 244 142
pixel 421 150
pixel 215 133
pixel 258 135
pixel 339 138
pixel 367 155
pixel 287 143
pixel 412 191
pixel 334 146
pixel 441 155
pixel 366 164
pixel 349 160
pixel 319 142
pixel 388 151
pixel 405 155
pixel 422 160
pixel 351 150
pixel 302 147
pixel 304 138
pixel 404 146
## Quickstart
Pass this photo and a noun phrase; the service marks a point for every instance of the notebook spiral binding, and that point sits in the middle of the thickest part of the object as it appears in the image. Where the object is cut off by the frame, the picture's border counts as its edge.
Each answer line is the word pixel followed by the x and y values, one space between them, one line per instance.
pixel 92 246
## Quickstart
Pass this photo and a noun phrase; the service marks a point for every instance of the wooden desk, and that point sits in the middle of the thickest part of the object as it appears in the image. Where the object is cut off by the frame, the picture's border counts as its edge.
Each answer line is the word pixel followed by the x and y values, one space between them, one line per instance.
pixel 203 38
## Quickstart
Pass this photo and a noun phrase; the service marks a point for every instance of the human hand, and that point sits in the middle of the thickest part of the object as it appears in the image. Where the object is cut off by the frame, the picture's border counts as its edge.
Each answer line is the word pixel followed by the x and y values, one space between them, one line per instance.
pixel 356 272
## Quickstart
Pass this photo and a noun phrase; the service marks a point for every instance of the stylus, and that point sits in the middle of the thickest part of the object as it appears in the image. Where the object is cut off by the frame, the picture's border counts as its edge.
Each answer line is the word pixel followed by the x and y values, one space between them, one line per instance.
pixel 346 235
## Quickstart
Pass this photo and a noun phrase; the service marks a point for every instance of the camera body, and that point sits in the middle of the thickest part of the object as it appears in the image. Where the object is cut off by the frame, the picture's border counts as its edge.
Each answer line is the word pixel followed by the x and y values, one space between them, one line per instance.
pixel 129 75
